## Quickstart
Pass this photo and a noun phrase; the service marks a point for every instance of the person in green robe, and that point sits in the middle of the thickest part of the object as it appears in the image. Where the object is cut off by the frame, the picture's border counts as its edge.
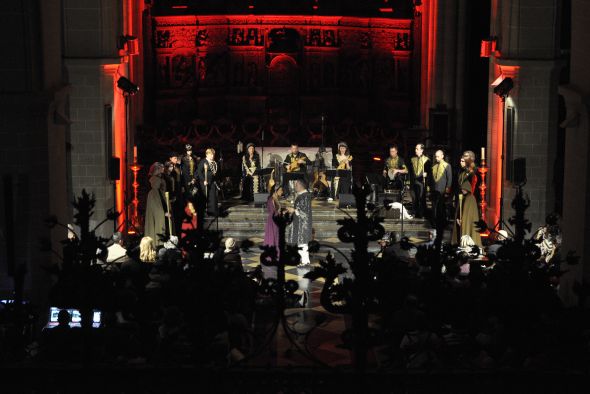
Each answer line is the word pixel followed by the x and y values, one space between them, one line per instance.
pixel 467 213
pixel 155 208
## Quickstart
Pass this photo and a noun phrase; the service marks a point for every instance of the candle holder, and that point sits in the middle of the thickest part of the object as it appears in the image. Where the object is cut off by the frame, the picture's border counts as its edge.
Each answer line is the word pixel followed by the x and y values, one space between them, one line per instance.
pixel 135 223
pixel 483 169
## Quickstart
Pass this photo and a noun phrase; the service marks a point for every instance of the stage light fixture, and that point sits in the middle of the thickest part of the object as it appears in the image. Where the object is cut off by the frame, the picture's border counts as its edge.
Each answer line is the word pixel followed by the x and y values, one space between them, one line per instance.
pixel 127 86
pixel 504 87
pixel 127 40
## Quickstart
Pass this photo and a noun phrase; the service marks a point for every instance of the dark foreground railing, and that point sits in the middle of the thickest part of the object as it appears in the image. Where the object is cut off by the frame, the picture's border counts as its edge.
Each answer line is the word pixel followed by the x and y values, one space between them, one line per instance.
pixel 182 379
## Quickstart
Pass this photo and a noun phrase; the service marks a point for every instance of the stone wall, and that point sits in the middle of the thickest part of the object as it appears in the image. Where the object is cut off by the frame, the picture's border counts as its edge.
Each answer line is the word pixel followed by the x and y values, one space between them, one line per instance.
pixel 528 33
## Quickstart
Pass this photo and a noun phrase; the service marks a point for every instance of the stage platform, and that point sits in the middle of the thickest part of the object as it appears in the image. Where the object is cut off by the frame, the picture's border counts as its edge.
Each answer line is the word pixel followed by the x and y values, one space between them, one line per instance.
pixel 245 221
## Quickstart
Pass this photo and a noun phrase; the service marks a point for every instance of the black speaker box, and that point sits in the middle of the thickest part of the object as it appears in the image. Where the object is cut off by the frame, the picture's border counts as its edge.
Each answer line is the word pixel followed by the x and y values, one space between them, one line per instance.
pixel 346 200
pixel 114 168
pixel 260 199
pixel 519 171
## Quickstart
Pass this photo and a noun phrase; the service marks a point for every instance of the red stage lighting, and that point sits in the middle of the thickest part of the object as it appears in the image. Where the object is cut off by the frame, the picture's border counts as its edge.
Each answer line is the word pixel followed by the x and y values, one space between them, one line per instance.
pixel 386 9
pixel 488 47
pixel 182 7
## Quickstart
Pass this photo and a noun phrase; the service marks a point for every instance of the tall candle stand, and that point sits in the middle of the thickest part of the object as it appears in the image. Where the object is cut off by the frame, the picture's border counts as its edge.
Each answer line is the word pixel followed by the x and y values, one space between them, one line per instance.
pixel 483 169
pixel 135 224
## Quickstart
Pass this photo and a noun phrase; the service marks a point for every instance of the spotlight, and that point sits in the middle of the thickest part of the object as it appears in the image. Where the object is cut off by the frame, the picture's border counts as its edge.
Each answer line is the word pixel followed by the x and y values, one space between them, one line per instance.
pixel 504 87
pixel 128 44
pixel 127 86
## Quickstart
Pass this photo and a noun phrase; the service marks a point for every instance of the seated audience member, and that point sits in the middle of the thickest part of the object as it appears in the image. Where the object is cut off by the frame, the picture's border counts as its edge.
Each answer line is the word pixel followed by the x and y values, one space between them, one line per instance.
pixel 172 253
pixel 501 238
pixel 147 250
pixel 229 261
pixel 117 253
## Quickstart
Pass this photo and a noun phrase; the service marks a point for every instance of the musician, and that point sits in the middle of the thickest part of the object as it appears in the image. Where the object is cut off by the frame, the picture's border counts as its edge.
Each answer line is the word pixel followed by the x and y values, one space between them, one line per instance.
pixel 394 170
pixel 178 204
pixel 419 179
pixel 295 163
pixel 342 161
pixel 467 213
pixel 299 231
pixel 250 181
pixel 171 186
pixel 188 168
pixel 207 177
pixel 442 181
pixel 156 213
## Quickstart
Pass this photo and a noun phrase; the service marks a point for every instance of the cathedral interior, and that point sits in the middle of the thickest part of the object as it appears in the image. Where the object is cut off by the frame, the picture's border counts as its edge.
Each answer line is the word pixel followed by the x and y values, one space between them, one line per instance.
pixel 93 92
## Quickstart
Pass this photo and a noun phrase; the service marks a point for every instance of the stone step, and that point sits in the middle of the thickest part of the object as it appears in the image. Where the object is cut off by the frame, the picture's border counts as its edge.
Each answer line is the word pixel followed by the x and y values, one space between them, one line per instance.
pixel 247 222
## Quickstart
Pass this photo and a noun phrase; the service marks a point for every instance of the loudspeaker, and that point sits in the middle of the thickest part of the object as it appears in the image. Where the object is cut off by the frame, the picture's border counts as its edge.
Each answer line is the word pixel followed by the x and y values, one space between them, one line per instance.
pixel 519 171
pixel 260 199
pixel 346 200
pixel 114 168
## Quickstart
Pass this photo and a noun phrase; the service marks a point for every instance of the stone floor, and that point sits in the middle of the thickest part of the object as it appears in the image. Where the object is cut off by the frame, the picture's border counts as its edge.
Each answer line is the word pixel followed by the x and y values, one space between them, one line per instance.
pixel 315 334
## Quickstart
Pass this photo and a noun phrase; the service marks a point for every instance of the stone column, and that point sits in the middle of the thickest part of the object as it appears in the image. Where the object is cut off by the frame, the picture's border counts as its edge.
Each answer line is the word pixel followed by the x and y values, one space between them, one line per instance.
pixel 527 40
pixel 576 196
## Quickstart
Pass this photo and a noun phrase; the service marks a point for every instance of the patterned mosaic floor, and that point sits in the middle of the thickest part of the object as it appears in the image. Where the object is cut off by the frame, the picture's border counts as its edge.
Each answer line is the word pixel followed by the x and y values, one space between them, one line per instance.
pixel 312 329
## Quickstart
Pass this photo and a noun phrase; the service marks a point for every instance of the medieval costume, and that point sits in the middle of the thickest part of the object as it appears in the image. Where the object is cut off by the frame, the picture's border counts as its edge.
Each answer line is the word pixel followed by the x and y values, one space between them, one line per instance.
pixel 250 180
pixel 271 230
pixel 207 172
pixel 467 213
pixel 155 211
pixel 341 161
pixel 177 196
pixel 189 163
pixel 419 166
pixel 294 170
pixel 299 230
pixel 396 181
pixel 442 181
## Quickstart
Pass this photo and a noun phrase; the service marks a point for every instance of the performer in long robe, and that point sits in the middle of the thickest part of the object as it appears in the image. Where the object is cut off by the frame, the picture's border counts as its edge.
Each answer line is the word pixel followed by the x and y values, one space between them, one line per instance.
pixel 299 230
pixel 467 213
pixel 207 177
pixel 155 211
pixel 271 229
pixel 250 181
pixel 188 165
pixel 419 180
pixel 442 177
pixel 341 161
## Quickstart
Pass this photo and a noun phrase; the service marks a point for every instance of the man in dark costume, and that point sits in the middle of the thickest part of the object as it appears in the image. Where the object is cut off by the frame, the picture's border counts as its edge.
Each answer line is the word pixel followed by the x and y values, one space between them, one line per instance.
pixel 442 181
pixel 299 231
pixel 394 171
pixel 419 180
pixel 189 164
pixel 207 177
pixel 296 167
